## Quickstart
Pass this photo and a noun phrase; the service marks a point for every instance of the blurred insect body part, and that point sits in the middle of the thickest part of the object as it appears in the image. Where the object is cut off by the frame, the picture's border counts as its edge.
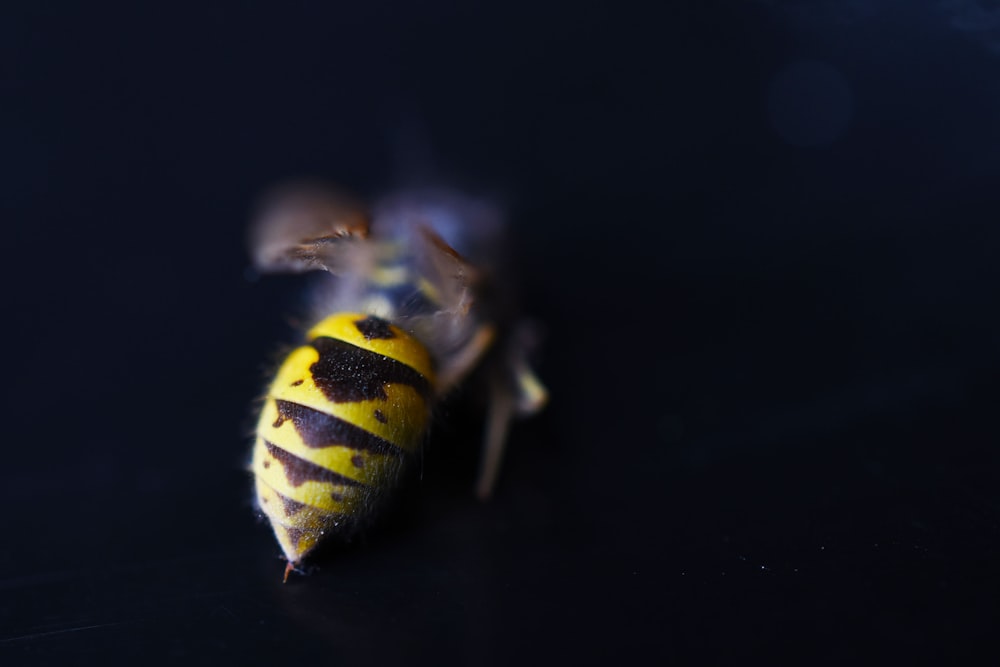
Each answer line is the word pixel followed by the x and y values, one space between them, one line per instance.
pixel 410 308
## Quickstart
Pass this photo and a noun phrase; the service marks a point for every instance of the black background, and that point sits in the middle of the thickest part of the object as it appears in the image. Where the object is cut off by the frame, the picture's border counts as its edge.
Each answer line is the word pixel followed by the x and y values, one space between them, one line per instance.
pixel 760 235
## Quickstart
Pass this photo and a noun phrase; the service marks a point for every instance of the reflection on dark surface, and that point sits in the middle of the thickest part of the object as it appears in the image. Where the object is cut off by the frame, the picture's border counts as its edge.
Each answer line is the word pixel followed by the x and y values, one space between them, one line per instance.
pixel 770 331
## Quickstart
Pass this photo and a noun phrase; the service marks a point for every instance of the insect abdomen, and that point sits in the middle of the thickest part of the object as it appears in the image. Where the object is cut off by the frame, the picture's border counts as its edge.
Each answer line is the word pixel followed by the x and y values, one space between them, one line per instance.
pixel 341 417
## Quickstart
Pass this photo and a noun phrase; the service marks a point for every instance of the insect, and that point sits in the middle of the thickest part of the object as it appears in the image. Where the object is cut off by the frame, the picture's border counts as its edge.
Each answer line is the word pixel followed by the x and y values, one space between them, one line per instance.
pixel 401 318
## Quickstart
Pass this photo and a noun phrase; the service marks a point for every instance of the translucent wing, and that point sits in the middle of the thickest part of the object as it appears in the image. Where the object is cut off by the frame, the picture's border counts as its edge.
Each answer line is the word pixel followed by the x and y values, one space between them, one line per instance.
pixel 447 278
pixel 307 227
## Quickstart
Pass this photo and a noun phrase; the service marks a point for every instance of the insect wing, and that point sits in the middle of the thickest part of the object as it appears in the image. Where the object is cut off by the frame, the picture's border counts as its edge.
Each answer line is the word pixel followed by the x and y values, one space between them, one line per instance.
pixel 305 228
pixel 447 278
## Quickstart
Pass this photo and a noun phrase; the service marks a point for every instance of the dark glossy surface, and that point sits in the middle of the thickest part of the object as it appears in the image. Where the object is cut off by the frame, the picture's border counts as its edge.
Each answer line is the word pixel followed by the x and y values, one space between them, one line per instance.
pixel 762 238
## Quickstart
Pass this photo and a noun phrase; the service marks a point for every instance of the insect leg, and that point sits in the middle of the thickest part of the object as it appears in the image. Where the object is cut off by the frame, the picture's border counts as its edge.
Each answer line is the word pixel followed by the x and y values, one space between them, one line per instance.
pixel 465 359
pixel 514 392
pixel 501 411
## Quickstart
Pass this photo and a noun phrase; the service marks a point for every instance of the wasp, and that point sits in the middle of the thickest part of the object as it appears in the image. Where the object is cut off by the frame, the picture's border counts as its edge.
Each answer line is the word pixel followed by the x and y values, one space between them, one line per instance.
pixel 410 304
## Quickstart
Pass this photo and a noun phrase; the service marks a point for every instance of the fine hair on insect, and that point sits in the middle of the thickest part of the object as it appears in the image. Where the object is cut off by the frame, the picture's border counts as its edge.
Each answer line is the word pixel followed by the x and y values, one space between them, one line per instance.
pixel 410 302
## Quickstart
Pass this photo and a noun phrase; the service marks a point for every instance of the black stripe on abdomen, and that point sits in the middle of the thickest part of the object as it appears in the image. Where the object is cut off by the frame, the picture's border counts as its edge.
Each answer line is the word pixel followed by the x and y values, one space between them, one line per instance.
pixel 298 471
pixel 319 429
pixel 347 373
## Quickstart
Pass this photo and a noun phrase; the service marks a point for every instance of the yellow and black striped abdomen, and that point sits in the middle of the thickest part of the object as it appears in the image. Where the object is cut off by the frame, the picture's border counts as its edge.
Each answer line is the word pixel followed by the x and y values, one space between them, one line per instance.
pixel 339 421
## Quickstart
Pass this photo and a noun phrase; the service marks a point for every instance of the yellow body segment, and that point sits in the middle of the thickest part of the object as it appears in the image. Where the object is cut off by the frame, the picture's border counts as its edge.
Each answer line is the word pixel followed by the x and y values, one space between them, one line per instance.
pixel 329 497
pixel 403 410
pixel 340 419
